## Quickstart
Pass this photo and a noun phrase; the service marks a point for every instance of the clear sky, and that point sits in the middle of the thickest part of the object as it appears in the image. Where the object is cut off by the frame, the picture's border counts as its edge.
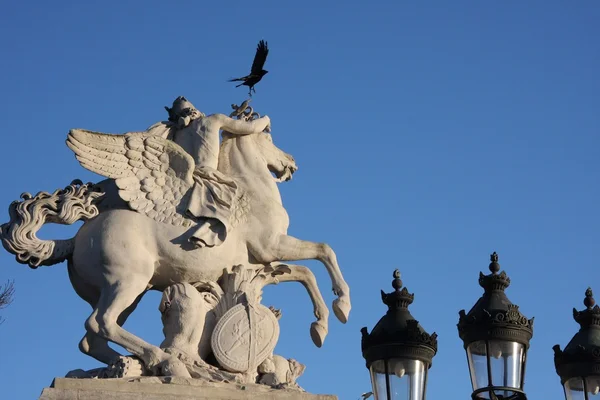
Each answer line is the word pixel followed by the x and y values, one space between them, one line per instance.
pixel 428 135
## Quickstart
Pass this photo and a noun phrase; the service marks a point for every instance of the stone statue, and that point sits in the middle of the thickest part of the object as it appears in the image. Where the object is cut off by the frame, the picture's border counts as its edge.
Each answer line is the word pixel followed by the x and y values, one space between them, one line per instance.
pixel 199 220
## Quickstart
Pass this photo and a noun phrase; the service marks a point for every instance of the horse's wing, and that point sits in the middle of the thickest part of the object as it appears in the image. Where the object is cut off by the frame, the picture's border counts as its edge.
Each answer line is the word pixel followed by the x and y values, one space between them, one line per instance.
pixel 153 174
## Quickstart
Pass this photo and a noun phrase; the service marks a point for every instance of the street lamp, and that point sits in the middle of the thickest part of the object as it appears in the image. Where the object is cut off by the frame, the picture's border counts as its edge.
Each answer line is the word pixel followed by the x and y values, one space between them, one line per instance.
pixel 496 338
pixel 398 351
pixel 578 365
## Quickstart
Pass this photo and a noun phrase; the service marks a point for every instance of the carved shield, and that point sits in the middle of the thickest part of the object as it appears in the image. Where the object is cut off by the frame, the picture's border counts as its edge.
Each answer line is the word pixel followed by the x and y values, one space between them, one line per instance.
pixel 244 337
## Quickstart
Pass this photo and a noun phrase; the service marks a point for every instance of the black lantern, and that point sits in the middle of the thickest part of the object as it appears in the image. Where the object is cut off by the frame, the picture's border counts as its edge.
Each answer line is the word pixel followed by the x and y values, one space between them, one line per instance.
pixel 398 351
pixel 578 365
pixel 496 338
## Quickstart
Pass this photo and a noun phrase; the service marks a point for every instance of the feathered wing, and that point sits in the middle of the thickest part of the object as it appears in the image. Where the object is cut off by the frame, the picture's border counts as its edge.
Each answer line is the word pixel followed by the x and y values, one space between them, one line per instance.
pixel 153 174
pixel 259 59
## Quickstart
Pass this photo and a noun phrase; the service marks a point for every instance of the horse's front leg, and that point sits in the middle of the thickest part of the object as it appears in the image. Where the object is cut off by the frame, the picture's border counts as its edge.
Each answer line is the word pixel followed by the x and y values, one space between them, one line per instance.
pixel 299 273
pixel 288 248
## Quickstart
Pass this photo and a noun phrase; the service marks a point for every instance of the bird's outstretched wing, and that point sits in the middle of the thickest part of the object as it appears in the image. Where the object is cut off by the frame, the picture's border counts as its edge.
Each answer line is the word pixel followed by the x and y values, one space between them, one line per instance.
pixel 259 59
pixel 153 174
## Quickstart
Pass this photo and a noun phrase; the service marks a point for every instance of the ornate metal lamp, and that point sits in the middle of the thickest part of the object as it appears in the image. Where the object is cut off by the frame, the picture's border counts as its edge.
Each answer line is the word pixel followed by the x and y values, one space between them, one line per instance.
pixel 496 338
pixel 578 365
pixel 398 351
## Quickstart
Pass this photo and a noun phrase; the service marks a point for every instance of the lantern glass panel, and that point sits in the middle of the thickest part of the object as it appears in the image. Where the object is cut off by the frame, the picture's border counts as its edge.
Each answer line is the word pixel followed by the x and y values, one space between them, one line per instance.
pixel 406 379
pixel 477 358
pixel 507 360
pixel 574 389
pixel 593 387
pixel 378 380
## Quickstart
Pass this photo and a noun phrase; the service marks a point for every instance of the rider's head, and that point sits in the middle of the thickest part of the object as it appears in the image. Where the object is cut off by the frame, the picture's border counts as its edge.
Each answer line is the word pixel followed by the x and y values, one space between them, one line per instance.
pixel 183 108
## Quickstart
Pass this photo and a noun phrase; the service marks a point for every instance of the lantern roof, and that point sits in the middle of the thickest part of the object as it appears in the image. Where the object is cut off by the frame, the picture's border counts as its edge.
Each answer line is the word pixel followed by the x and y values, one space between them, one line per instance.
pixel 494 316
pixel 398 334
pixel 581 357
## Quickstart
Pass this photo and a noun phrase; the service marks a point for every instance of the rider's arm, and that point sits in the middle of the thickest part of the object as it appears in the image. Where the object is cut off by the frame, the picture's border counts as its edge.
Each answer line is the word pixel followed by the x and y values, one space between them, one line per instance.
pixel 239 127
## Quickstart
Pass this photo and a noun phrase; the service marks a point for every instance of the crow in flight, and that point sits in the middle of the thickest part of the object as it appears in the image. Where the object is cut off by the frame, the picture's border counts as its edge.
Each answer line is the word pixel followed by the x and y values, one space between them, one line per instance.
pixel 257 71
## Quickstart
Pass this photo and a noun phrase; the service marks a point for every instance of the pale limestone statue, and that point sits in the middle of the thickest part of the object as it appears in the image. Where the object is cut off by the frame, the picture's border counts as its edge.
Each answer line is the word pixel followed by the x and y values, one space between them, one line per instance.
pixel 202 222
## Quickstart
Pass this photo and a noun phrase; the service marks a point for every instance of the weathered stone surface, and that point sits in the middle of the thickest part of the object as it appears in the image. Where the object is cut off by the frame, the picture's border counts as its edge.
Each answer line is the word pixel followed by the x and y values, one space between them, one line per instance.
pixel 159 388
pixel 244 337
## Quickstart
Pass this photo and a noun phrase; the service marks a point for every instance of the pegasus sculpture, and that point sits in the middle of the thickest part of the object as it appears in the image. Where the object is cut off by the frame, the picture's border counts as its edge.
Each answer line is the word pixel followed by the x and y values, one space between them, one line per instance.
pixel 179 208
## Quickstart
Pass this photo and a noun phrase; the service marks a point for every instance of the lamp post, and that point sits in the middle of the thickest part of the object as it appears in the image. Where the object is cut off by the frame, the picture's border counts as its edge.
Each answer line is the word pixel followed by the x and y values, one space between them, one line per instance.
pixel 496 338
pixel 578 365
pixel 398 351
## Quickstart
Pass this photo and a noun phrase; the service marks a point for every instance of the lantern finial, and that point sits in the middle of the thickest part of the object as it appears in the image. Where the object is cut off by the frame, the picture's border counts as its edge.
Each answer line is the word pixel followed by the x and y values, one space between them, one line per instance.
pixel 397 283
pixel 589 301
pixel 494 266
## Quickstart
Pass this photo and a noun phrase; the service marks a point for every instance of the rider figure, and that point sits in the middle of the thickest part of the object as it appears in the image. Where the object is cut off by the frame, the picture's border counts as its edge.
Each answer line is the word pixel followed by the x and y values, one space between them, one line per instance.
pixel 214 195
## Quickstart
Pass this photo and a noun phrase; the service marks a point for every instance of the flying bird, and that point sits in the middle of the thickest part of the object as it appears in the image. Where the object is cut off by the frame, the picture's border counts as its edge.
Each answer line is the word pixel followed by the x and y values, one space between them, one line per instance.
pixel 257 71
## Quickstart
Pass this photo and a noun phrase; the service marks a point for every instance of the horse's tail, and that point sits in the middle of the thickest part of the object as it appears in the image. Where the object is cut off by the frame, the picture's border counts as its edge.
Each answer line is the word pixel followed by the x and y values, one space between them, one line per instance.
pixel 65 206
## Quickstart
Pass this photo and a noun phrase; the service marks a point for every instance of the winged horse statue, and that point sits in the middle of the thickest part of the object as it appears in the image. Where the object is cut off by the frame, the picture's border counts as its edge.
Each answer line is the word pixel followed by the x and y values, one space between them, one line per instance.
pixel 139 225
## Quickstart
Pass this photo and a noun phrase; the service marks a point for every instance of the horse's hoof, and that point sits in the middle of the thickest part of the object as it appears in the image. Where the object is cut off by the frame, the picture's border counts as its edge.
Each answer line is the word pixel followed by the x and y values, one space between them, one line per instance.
pixel 174 367
pixel 318 331
pixel 124 367
pixel 341 309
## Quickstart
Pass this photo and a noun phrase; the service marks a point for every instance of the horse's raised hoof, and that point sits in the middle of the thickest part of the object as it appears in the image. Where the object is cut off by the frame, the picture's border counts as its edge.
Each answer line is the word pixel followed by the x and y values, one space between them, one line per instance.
pixel 341 309
pixel 318 331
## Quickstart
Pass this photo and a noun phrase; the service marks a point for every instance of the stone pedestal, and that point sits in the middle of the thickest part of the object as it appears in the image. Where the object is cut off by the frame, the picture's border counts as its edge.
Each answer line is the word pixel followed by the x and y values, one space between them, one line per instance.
pixel 160 388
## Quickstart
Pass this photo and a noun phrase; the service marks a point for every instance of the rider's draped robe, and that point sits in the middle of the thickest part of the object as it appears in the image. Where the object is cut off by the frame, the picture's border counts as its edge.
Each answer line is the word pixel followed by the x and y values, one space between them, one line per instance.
pixel 211 203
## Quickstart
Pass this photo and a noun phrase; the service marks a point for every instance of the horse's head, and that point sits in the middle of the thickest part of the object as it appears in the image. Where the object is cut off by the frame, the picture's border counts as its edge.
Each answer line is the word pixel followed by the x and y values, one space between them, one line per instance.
pixel 279 162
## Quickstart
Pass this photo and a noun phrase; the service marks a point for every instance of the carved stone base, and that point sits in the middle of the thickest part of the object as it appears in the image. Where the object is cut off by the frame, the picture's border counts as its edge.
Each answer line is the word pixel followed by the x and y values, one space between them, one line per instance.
pixel 159 388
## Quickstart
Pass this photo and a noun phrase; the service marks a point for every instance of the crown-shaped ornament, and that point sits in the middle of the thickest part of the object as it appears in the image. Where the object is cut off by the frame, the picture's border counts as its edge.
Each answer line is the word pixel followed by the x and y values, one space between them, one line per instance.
pixel 400 297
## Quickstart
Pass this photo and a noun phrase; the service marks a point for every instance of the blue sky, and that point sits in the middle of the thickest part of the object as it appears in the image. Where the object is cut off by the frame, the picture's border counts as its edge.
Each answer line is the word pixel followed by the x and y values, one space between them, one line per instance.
pixel 427 134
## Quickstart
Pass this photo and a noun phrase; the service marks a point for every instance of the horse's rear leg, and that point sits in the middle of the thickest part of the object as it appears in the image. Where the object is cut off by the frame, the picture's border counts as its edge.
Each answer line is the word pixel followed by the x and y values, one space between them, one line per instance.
pixel 299 273
pixel 96 346
pixel 288 248
pixel 91 344
pixel 113 301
